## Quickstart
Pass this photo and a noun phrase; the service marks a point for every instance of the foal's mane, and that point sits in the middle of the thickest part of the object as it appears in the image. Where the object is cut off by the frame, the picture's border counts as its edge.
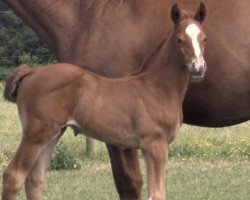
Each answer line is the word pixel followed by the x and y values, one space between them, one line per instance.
pixel 150 59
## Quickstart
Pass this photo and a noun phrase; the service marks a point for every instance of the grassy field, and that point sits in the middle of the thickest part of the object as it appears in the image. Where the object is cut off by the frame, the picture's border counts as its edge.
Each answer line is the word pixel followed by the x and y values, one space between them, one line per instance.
pixel 204 164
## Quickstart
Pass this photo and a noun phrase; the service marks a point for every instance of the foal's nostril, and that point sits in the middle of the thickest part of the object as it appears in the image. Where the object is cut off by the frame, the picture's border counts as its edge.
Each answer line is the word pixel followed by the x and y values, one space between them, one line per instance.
pixel 193 65
pixel 205 66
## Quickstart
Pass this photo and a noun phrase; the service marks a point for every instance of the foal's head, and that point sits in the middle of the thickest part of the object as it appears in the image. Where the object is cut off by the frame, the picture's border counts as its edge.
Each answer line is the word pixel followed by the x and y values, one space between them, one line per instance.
pixel 190 39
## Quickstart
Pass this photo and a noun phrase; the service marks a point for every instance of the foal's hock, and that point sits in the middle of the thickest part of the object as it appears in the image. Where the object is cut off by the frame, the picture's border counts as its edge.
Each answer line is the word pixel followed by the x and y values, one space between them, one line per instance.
pixel 142 111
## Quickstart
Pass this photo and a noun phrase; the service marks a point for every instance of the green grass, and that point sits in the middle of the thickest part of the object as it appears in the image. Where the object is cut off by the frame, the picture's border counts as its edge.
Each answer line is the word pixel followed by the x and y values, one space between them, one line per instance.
pixel 4 71
pixel 205 164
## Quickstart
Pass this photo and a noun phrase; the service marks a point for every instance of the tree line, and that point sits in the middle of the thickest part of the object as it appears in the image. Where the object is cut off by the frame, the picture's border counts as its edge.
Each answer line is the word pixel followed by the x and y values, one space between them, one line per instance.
pixel 18 43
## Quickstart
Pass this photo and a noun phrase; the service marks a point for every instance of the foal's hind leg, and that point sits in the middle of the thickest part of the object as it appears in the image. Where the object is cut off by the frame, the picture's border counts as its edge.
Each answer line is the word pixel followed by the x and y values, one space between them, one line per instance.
pixel 34 141
pixel 155 155
pixel 35 179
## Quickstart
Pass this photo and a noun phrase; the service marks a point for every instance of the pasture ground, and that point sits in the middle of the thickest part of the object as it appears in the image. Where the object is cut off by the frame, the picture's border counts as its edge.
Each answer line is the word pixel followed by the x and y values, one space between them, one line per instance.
pixel 205 164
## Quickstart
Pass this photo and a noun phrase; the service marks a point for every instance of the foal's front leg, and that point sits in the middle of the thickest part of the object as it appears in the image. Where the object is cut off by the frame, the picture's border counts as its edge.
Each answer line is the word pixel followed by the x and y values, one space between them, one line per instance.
pixel 155 155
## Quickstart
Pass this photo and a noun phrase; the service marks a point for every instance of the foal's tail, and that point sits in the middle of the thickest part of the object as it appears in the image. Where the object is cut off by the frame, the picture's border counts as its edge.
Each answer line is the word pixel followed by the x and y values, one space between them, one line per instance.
pixel 13 81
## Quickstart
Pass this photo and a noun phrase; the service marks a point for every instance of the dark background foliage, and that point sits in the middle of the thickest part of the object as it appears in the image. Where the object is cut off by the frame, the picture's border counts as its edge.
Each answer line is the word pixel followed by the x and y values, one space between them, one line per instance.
pixel 18 43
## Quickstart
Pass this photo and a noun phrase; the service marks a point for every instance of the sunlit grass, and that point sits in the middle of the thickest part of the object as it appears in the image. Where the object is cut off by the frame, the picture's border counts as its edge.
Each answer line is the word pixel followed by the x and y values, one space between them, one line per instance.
pixel 211 143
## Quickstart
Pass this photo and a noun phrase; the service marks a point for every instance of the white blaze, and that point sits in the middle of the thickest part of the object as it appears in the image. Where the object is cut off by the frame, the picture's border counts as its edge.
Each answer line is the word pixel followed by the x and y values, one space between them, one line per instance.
pixel 193 31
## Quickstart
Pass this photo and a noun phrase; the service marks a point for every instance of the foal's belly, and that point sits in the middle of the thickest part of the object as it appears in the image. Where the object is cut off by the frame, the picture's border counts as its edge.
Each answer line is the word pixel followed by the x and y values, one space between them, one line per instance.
pixel 120 139
pixel 117 136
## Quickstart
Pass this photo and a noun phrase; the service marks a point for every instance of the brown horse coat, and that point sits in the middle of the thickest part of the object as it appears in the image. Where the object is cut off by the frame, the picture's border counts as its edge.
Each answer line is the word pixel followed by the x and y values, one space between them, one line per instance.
pixel 114 38
pixel 142 111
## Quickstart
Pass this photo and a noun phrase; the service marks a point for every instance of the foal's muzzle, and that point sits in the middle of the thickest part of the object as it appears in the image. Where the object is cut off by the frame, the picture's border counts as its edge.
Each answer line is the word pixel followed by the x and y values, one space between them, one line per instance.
pixel 198 70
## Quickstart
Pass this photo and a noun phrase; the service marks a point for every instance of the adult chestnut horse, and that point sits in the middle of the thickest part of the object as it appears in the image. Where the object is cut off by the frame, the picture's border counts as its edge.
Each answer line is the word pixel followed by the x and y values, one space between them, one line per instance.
pixel 145 113
pixel 114 37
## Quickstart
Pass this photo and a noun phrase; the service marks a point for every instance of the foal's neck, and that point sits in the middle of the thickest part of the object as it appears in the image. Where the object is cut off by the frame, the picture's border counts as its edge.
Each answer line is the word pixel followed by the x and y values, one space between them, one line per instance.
pixel 165 70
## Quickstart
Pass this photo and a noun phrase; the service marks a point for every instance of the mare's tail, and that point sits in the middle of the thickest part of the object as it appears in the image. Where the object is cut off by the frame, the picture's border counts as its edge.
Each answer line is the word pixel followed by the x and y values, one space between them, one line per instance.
pixel 13 81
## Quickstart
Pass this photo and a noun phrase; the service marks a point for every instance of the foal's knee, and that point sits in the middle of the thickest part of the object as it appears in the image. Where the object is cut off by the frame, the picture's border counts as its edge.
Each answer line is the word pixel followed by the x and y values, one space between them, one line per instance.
pixel 12 183
pixel 34 187
pixel 34 182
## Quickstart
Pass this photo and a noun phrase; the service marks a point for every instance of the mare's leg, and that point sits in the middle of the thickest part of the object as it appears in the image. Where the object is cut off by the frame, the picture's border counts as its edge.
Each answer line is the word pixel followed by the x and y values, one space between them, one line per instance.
pixel 35 140
pixel 126 172
pixel 155 155
pixel 35 179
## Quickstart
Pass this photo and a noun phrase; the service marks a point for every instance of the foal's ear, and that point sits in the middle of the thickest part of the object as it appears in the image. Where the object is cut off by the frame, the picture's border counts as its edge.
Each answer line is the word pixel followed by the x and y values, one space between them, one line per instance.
pixel 201 13
pixel 175 13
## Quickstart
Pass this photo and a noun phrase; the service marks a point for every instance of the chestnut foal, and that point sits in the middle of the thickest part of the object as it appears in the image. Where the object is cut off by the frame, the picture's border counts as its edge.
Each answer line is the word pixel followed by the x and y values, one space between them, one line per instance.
pixel 141 111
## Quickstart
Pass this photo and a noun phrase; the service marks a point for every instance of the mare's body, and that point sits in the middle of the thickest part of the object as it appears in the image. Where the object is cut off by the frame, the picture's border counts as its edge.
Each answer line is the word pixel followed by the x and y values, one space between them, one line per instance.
pixel 140 112
pixel 114 37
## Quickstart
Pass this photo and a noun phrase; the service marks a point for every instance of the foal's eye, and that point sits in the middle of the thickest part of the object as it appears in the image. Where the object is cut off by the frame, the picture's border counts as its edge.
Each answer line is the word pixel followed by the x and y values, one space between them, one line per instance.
pixel 179 41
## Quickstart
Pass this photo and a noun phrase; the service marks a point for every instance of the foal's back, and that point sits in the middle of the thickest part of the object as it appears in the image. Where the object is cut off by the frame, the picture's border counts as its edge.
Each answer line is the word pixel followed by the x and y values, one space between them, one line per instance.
pixel 52 76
